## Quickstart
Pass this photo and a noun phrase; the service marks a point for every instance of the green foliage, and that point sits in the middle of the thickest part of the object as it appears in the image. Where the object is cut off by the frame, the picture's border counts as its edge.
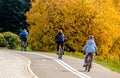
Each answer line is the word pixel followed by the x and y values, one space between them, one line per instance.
pixel 12 15
pixel 115 50
pixel 12 39
pixel 77 19
pixel 75 54
pixel 3 42
pixel 111 64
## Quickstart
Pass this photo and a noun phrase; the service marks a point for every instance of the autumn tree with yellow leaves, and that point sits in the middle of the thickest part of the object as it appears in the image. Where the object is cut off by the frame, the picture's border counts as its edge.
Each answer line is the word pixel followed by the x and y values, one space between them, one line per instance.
pixel 77 19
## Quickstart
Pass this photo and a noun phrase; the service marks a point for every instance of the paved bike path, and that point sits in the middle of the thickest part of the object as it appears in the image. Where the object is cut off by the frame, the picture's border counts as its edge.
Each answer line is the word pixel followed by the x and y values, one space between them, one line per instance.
pixel 42 65
pixel 14 66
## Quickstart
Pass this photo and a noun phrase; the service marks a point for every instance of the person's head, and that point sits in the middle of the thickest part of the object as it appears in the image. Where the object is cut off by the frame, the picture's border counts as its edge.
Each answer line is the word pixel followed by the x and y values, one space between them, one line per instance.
pixel 91 37
pixel 24 30
pixel 60 31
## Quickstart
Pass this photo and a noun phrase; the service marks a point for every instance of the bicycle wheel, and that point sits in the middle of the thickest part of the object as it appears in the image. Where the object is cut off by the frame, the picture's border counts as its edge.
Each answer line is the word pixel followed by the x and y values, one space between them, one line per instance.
pixel 86 67
pixel 22 45
pixel 60 52
pixel 59 56
pixel 89 65
pixel 25 46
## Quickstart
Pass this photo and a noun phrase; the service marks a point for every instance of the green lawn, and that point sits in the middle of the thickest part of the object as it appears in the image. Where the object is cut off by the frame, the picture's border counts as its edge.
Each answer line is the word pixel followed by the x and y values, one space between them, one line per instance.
pixel 111 64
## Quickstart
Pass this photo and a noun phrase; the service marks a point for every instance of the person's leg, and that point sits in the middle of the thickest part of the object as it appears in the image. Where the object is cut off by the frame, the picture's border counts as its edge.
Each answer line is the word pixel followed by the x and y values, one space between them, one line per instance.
pixel 58 47
pixel 91 56
pixel 85 60
pixel 62 45
pixel 25 43
pixel 21 44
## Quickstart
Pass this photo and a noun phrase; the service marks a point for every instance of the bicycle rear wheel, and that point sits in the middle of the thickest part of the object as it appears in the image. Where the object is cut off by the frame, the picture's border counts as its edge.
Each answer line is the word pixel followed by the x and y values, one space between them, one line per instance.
pixel 60 52
pixel 23 45
pixel 59 56
pixel 88 66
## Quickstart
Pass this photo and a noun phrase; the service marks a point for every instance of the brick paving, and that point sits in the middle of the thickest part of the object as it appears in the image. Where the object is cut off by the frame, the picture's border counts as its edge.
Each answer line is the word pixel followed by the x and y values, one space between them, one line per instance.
pixel 14 66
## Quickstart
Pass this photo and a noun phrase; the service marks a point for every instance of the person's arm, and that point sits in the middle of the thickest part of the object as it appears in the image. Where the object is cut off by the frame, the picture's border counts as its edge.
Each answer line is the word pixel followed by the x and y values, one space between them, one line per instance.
pixel 95 46
pixel 19 35
pixel 63 37
pixel 85 46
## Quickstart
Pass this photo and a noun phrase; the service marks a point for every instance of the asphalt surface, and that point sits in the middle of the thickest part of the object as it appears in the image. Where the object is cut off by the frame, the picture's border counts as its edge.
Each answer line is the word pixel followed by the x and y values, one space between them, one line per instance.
pixel 19 64
pixel 46 65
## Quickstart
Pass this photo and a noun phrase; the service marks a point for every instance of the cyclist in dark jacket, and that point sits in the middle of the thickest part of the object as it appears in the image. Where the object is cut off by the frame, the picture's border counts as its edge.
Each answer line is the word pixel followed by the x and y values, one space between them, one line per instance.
pixel 60 40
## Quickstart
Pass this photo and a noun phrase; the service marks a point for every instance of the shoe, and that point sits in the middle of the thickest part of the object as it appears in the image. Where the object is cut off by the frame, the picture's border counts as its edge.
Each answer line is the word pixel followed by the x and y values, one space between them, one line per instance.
pixel 84 65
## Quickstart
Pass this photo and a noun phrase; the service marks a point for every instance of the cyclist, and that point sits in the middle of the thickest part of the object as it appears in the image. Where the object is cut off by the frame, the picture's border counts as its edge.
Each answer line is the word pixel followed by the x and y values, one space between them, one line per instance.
pixel 90 47
pixel 59 39
pixel 23 36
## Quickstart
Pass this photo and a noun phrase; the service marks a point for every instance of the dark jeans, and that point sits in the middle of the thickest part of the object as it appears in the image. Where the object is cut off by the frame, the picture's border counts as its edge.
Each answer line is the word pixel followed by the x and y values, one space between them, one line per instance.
pixel 90 54
pixel 62 45
pixel 23 42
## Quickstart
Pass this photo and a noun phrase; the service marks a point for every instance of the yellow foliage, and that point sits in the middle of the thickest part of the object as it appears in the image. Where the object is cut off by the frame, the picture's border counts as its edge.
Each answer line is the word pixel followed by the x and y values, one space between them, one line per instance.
pixel 77 19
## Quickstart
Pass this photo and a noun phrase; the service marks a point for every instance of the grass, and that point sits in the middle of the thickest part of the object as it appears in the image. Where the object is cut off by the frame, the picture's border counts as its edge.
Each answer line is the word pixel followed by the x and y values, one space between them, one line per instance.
pixel 18 48
pixel 111 64
pixel 75 54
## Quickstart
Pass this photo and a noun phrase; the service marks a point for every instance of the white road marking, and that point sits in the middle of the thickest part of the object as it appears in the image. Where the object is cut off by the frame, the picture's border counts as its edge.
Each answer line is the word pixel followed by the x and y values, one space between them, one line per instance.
pixel 14 66
pixel 66 66
pixel 44 60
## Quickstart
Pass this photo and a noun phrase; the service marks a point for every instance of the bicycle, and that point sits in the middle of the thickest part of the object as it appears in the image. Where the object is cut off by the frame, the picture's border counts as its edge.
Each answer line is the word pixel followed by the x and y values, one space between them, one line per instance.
pixel 60 52
pixel 23 45
pixel 89 63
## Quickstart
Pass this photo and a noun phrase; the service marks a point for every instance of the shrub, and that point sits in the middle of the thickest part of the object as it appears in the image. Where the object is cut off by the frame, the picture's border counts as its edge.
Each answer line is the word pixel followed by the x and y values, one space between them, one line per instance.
pixel 3 42
pixel 12 39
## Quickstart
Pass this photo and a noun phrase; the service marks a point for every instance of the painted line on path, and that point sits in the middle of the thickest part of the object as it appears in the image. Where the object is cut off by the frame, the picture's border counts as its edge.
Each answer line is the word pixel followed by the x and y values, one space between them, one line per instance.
pixel 66 66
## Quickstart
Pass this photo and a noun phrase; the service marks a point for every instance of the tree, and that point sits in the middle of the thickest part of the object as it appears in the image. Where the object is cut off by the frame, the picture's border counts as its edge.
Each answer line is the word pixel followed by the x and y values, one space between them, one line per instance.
pixel 12 16
pixel 77 19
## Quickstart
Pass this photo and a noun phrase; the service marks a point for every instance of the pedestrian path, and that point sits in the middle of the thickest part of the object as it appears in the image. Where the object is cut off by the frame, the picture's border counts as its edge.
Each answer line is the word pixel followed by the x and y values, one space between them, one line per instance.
pixel 14 66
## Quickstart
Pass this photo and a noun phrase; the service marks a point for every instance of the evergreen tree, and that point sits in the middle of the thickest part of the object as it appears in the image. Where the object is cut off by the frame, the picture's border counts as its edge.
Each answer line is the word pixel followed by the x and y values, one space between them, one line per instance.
pixel 12 15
